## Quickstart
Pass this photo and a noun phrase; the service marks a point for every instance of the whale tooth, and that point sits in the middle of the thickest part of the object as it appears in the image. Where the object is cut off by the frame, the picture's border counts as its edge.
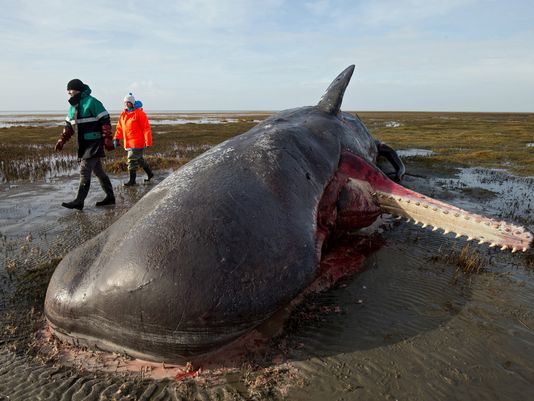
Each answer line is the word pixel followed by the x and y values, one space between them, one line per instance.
pixel 493 245
pixel 470 238
pixel 446 232
pixel 524 249
pixel 434 229
pixel 504 247
pixel 457 235
pixel 514 249
pixel 424 225
pixel 480 242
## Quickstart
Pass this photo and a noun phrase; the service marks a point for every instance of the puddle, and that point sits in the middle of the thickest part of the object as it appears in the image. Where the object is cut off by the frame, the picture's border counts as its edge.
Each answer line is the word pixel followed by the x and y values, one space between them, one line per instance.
pixel 48 119
pixel 414 152
pixel 506 196
pixel 180 121
pixel 13 119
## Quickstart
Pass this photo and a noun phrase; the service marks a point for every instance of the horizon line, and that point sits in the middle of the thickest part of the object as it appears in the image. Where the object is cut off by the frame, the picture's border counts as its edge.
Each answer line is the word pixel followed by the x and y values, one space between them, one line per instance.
pixel 271 111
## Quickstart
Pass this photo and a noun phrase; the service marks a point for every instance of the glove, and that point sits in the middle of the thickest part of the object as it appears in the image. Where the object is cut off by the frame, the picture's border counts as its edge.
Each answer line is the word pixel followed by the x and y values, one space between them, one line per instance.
pixel 116 143
pixel 59 145
pixel 64 137
pixel 108 138
pixel 108 144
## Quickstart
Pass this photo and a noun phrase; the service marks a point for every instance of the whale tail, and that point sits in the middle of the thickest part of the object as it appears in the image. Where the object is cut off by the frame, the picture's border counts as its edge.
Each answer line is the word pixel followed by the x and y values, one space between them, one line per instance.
pixel 331 100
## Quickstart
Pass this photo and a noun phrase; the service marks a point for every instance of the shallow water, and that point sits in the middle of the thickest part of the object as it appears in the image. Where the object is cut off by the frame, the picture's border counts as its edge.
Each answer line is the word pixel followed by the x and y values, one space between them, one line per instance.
pixel 405 153
pixel 409 327
pixel 49 119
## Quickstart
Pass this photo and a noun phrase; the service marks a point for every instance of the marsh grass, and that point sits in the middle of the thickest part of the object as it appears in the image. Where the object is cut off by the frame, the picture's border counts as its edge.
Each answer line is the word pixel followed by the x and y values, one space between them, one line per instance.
pixel 467 260
pixel 491 140
pixel 27 153
pixel 470 261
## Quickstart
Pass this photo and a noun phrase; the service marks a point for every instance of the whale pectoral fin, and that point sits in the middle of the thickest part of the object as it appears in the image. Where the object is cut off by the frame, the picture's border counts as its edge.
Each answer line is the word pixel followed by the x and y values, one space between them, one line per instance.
pixel 389 153
pixel 399 201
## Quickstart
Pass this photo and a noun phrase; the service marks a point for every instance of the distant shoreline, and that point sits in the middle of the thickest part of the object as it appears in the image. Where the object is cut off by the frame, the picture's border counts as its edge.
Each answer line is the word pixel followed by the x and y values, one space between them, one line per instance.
pixel 116 111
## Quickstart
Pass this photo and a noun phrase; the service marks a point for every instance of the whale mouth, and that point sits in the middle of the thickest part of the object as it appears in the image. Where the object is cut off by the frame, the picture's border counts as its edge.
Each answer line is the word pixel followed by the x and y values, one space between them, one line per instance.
pixel 401 202
pixel 430 212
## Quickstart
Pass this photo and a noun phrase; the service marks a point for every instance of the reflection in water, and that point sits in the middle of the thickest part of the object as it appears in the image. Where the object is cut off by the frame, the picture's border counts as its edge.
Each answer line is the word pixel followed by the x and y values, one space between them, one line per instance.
pixel 405 328
pixel 414 152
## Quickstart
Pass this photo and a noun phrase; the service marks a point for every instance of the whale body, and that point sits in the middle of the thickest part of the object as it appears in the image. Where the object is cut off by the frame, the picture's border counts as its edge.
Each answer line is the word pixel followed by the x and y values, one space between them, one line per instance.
pixel 235 234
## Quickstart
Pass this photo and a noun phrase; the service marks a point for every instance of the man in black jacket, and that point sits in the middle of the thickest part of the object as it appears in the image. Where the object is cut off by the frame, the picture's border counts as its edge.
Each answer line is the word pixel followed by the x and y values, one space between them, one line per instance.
pixel 92 123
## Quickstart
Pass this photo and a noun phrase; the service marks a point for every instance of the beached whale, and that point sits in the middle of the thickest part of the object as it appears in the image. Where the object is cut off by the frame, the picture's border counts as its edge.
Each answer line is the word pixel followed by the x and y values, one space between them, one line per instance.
pixel 237 233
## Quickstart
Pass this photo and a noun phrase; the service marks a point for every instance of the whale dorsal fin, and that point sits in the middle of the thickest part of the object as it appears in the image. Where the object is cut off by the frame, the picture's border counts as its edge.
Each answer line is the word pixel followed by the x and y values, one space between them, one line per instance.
pixel 331 100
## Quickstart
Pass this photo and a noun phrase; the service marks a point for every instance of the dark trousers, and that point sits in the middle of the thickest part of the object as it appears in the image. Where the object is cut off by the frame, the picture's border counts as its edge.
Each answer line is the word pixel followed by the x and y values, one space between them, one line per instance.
pixel 136 159
pixel 87 167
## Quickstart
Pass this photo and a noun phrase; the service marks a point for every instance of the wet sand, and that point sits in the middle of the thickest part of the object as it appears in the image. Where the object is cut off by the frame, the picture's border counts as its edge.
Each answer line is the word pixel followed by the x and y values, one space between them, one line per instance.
pixel 409 327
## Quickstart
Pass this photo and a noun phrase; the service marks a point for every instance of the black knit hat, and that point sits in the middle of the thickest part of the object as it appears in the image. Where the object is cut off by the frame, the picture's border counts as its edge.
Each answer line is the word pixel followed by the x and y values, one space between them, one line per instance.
pixel 75 84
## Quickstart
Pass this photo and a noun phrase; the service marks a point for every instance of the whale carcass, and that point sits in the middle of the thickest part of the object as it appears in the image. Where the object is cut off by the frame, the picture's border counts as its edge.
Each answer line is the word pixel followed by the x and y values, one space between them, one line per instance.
pixel 237 233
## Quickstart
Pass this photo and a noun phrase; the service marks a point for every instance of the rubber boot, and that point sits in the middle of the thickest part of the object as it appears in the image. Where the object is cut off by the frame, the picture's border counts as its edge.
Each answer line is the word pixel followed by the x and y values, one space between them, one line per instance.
pixel 132 179
pixel 148 172
pixel 77 203
pixel 108 189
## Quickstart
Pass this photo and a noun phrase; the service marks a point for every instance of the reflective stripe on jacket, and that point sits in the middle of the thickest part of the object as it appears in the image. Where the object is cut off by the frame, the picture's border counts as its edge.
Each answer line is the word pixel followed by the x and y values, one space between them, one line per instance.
pixel 134 127
pixel 88 117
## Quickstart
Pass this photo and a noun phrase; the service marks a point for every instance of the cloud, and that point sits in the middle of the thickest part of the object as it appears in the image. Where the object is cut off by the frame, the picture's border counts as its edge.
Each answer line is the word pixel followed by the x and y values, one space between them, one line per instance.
pixel 407 12
pixel 273 53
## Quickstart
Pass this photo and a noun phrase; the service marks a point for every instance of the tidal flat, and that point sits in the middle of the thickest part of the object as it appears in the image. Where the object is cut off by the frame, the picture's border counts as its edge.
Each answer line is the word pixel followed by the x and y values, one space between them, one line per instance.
pixel 490 140
pixel 428 317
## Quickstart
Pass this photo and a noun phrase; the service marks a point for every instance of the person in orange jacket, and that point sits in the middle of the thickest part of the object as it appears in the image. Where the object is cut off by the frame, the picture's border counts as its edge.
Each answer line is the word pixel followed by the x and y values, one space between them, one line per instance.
pixel 134 127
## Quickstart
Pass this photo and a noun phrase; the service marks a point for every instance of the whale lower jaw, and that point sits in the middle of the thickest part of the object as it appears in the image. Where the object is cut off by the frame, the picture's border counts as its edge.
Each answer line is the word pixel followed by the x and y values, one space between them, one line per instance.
pixel 420 209
pixel 426 211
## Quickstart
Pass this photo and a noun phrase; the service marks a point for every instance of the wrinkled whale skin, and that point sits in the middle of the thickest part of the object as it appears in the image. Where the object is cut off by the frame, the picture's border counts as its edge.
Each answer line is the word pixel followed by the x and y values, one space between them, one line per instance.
pixel 215 248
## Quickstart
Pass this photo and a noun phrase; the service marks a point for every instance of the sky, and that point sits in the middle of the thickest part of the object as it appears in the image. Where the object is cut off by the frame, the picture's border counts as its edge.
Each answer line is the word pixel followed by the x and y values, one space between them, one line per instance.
pixel 410 55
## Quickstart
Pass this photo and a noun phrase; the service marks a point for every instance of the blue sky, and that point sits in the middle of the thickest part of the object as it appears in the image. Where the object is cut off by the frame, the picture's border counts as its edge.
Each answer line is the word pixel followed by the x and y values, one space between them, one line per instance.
pixel 430 55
